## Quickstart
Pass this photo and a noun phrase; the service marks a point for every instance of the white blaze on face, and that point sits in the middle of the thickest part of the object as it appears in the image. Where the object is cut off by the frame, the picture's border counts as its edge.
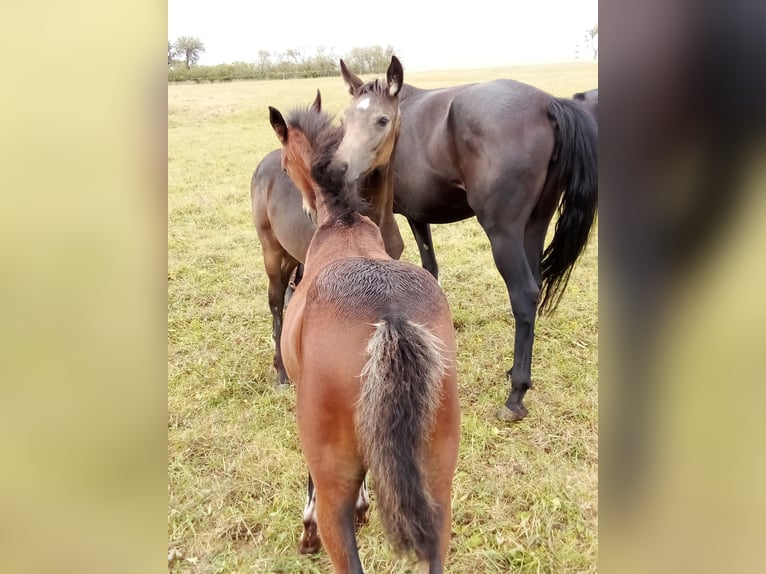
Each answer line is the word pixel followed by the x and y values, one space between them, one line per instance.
pixel 363 104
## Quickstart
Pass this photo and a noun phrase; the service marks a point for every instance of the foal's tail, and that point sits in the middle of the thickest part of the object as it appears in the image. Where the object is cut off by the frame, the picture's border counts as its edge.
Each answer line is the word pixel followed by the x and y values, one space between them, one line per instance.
pixel 396 411
pixel 577 166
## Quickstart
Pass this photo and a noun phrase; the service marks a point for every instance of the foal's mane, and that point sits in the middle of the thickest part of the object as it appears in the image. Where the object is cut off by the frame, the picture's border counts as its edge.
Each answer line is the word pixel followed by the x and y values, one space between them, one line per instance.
pixel 311 123
pixel 342 200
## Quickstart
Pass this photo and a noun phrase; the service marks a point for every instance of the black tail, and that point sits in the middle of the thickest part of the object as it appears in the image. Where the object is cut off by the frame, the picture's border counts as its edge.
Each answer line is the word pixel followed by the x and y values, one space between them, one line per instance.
pixel 577 162
pixel 396 410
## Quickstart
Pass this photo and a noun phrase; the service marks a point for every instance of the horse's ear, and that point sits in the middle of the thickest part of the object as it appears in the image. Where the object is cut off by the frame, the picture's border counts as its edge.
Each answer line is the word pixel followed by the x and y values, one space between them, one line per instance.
pixel 278 123
pixel 317 105
pixel 394 76
pixel 352 81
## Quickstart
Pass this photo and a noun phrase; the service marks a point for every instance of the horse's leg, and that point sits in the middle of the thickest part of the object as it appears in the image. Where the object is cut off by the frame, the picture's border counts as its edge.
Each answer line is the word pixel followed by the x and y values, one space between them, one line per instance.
pixel 510 255
pixel 392 238
pixel 293 283
pixel 362 505
pixel 309 542
pixel 441 491
pixel 336 502
pixel 279 266
pixel 442 461
pixel 422 233
pixel 534 241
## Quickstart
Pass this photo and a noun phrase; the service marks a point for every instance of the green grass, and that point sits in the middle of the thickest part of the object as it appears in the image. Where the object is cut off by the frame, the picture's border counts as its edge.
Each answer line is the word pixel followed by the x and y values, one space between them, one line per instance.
pixel 525 495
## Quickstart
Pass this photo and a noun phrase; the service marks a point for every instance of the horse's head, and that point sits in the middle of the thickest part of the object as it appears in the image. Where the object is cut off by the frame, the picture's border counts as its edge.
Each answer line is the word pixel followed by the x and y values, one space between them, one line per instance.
pixel 297 135
pixel 370 122
pixel 588 100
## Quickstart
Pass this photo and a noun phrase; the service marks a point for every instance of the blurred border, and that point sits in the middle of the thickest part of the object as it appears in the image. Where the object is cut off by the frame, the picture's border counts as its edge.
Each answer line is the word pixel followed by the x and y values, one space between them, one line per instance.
pixel 681 213
pixel 83 249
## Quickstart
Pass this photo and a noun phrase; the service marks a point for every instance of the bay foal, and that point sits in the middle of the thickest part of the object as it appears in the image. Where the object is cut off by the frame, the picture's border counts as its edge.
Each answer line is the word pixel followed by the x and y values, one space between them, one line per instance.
pixel 369 343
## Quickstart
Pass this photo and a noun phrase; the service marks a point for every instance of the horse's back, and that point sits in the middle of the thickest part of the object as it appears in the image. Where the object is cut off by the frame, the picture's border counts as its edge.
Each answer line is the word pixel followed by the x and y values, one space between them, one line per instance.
pixel 461 138
pixel 364 289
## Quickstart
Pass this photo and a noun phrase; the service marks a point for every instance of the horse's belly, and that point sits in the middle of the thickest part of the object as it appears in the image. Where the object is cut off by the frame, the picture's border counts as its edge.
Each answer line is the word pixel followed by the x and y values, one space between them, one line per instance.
pixel 432 203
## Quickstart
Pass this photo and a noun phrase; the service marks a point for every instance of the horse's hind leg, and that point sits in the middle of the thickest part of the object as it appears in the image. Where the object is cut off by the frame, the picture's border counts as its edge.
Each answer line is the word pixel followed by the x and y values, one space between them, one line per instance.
pixel 422 233
pixel 309 542
pixel 509 252
pixel 336 502
pixel 362 505
pixel 279 266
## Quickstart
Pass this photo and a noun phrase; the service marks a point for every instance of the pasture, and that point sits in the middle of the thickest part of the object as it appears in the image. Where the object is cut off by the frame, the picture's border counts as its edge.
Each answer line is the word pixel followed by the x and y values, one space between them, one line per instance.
pixel 524 495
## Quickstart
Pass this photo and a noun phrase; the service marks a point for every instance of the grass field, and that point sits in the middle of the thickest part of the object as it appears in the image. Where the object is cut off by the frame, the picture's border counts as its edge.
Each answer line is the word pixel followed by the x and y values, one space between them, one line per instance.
pixel 525 495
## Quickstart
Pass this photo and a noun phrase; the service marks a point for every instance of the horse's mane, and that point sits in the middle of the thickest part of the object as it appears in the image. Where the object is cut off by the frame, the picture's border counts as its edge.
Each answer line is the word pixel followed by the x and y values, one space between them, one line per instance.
pixel 342 199
pixel 377 87
pixel 310 122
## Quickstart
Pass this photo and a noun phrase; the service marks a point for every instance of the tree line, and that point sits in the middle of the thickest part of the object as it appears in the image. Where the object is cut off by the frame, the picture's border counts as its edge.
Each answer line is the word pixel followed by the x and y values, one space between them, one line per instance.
pixel 184 54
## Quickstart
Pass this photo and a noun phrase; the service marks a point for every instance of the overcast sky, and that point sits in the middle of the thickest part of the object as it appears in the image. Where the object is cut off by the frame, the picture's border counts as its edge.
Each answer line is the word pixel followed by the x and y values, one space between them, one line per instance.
pixel 427 35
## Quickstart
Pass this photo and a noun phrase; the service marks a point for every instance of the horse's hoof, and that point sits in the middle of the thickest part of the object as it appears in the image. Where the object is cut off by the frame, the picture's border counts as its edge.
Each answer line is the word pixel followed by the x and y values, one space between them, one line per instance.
pixel 506 414
pixel 309 542
pixel 360 518
pixel 281 387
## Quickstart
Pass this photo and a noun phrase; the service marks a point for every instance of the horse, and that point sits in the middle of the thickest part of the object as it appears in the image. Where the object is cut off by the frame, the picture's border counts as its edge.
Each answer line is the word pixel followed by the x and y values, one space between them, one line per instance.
pixel 284 231
pixel 589 100
pixel 509 154
pixel 369 343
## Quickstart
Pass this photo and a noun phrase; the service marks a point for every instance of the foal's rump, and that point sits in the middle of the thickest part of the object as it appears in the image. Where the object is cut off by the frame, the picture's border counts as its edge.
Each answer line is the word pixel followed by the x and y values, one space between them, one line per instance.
pixel 389 352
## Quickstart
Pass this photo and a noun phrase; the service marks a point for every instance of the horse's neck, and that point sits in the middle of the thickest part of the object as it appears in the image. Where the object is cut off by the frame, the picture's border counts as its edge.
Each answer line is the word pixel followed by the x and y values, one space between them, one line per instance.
pixel 408 91
pixel 333 241
pixel 378 190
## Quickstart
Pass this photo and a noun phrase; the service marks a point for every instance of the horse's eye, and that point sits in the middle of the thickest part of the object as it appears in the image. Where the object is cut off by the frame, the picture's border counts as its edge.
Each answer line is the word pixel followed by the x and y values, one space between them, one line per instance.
pixel 383 121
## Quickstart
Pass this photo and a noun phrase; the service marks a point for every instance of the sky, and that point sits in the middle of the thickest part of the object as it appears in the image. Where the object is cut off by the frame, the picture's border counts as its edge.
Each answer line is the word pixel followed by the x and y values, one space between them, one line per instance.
pixel 426 35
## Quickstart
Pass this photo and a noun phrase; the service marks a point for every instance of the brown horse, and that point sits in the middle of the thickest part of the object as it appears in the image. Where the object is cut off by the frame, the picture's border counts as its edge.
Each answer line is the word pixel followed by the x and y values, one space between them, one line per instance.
pixel 509 154
pixel 368 341
pixel 284 230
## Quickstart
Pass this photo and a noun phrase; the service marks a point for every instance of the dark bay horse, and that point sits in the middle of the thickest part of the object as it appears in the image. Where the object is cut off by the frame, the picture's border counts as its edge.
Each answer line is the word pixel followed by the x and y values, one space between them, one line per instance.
pixel 510 154
pixel 369 343
pixel 284 230
pixel 588 100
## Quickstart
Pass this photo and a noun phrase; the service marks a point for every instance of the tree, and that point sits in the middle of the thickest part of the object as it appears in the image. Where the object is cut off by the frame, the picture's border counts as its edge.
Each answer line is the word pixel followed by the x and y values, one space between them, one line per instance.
pixel 325 63
pixel 264 58
pixel 591 39
pixel 189 47
pixel 369 59
pixel 171 54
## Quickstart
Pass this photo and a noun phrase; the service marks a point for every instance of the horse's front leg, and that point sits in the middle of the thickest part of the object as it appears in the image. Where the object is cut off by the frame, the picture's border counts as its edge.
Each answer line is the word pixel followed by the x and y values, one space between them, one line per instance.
pixel 422 233
pixel 293 284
